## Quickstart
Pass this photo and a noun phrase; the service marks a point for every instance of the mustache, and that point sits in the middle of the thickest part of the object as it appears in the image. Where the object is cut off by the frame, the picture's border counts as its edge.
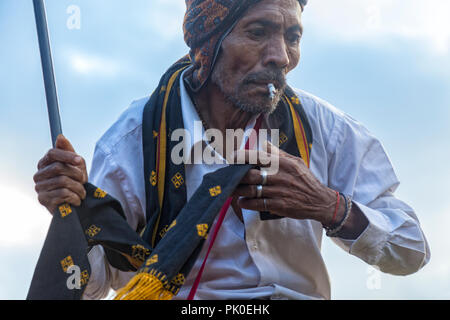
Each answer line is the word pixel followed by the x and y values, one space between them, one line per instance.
pixel 275 76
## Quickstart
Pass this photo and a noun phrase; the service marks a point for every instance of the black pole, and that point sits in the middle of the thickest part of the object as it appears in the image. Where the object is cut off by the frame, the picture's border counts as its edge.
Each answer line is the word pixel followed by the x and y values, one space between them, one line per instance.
pixel 47 69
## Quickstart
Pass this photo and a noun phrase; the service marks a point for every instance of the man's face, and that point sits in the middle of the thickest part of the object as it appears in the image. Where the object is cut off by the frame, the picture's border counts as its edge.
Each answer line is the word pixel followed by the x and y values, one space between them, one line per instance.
pixel 262 48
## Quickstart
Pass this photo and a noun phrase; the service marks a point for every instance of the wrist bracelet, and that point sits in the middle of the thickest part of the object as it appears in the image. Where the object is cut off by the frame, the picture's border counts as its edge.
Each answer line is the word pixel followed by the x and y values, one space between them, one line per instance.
pixel 333 223
pixel 336 209
pixel 331 232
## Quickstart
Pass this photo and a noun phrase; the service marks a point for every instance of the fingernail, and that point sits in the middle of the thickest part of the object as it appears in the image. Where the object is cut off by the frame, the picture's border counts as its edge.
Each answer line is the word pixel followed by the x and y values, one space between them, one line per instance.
pixel 77 159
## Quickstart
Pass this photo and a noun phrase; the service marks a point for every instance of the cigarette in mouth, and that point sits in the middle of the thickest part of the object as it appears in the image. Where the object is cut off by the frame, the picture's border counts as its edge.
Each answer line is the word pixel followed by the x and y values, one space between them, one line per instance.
pixel 272 90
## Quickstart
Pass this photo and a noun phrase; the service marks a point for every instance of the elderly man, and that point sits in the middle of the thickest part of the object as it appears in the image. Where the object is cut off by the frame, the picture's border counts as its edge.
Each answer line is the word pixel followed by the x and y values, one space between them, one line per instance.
pixel 332 174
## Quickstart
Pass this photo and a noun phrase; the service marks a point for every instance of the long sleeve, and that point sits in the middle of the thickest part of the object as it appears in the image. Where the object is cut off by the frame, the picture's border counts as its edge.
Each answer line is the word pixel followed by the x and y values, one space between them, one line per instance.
pixel 117 168
pixel 359 166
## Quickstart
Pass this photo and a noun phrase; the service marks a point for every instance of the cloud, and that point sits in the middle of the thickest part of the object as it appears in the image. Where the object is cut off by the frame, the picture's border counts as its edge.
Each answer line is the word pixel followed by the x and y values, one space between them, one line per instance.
pixel 369 20
pixel 165 17
pixel 435 230
pixel 94 65
pixel 24 221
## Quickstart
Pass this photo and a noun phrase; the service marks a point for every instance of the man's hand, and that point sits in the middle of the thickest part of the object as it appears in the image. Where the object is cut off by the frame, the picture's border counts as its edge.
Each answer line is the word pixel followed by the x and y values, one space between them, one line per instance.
pixel 60 177
pixel 293 191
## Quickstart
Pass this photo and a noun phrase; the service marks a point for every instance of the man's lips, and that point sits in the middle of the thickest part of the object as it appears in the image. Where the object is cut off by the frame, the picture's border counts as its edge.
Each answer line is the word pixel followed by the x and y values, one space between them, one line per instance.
pixel 264 85
pixel 259 89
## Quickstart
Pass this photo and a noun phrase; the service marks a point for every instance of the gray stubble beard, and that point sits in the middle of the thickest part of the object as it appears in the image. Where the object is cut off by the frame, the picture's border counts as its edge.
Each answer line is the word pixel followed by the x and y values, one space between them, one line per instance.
pixel 239 99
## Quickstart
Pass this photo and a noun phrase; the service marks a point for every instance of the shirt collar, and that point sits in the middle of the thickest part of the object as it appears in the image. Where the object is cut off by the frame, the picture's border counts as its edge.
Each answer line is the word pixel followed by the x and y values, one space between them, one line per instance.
pixel 192 122
pixel 191 119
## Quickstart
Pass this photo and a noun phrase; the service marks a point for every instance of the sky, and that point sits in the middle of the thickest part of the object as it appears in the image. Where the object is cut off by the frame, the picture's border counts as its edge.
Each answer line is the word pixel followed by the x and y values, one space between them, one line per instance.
pixel 384 62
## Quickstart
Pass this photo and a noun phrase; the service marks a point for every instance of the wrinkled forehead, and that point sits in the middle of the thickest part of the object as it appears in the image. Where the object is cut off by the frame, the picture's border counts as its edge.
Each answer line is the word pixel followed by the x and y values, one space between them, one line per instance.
pixel 276 14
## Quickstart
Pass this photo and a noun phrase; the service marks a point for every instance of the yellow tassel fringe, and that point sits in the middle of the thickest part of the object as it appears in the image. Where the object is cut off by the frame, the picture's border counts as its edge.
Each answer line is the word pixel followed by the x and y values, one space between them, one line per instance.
pixel 146 286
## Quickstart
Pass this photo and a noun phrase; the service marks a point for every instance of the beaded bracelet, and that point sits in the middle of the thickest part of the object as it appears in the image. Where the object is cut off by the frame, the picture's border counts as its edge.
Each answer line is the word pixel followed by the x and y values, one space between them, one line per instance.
pixel 332 232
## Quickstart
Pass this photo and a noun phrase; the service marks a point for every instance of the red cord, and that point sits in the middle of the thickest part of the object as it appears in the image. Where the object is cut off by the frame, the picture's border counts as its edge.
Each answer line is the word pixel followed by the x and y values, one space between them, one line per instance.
pixel 222 213
pixel 336 209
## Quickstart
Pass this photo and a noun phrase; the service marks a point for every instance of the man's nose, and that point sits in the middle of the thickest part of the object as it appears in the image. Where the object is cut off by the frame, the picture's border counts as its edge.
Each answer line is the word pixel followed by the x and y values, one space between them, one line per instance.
pixel 277 53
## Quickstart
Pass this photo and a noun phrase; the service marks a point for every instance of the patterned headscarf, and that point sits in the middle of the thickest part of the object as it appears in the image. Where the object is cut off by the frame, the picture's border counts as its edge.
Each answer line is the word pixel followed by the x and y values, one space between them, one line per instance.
pixel 206 24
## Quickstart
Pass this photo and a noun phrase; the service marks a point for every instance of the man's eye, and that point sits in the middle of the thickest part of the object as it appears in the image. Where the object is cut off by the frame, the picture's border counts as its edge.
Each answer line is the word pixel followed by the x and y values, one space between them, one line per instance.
pixel 257 32
pixel 294 38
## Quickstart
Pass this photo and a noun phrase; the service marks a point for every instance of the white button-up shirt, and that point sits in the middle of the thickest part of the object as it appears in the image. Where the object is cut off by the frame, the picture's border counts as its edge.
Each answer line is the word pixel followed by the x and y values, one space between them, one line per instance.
pixel 276 259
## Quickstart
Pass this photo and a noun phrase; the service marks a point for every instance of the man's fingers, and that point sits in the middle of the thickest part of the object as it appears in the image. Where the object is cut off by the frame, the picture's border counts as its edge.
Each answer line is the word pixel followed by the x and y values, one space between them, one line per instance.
pixel 61 182
pixel 60 169
pixel 63 144
pixel 52 199
pixel 253 176
pixel 63 152
pixel 61 176
pixel 253 204
pixel 58 155
pixel 269 148
pixel 256 157
pixel 249 191
pixel 261 204
pixel 273 150
pixel 273 161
